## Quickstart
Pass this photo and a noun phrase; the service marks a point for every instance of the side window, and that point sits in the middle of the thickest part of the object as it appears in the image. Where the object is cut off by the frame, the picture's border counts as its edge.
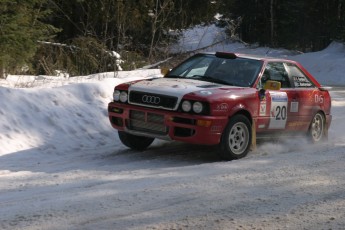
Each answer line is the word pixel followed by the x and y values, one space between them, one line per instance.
pixel 299 79
pixel 276 71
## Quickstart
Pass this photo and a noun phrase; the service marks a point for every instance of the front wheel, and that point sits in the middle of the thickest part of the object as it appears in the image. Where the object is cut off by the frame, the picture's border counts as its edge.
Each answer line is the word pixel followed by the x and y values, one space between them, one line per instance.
pixel 236 139
pixel 317 131
pixel 135 142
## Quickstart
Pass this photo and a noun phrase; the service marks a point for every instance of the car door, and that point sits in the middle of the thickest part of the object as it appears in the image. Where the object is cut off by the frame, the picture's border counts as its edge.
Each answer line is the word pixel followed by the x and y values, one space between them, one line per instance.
pixel 277 107
pixel 306 96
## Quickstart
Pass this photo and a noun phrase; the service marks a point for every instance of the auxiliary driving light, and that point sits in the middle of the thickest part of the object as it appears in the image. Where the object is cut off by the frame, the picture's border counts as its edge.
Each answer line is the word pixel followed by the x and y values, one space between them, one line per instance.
pixel 123 96
pixel 116 95
pixel 197 107
pixel 186 106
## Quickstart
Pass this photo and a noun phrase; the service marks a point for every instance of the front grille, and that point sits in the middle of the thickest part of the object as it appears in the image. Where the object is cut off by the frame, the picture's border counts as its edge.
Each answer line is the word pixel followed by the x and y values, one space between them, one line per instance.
pixel 147 122
pixel 152 100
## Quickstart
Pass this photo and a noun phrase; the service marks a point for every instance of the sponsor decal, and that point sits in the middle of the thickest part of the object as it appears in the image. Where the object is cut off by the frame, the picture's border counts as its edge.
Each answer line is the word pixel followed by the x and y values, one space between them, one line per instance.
pixel 261 126
pixel 222 107
pixel 301 81
pixel 298 123
pixel 262 108
pixel 216 128
pixel 294 107
pixel 319 99
pixel 278 111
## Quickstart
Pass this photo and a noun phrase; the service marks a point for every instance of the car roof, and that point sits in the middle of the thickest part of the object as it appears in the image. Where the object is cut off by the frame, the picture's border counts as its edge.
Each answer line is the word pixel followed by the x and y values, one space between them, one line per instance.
pixel 250 56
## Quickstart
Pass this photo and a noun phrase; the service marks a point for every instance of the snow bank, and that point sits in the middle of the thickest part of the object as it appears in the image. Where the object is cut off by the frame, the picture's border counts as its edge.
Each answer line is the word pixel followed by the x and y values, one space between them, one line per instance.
pixel 44 81
pixel 55 118
pixel 328 65
pixel 59 117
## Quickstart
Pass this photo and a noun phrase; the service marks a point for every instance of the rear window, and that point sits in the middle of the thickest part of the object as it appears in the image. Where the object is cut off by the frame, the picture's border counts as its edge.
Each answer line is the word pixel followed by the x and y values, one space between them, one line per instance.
pixel 300 80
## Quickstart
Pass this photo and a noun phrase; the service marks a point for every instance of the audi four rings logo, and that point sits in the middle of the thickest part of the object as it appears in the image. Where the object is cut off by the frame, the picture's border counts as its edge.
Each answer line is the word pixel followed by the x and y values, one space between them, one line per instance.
pixel 151 99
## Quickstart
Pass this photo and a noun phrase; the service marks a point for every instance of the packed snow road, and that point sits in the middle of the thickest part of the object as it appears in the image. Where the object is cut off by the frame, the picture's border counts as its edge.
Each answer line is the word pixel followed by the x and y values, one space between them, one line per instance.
pixel 81 177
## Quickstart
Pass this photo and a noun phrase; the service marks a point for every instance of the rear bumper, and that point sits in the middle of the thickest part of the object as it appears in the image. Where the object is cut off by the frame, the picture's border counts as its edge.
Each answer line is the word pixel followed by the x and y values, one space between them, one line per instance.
pixel 168 125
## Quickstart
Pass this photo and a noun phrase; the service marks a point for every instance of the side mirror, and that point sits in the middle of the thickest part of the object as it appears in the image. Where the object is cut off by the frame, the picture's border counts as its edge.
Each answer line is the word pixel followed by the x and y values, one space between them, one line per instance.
pixel 165 71
pixel 272 85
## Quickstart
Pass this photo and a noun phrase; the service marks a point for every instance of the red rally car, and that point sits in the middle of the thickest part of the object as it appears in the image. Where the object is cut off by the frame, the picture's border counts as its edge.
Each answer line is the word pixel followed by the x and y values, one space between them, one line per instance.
pixel 224 99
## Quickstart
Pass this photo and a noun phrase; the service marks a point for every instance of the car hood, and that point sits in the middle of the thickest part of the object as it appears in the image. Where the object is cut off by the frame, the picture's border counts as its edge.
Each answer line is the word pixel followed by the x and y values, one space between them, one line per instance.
pixel 175 87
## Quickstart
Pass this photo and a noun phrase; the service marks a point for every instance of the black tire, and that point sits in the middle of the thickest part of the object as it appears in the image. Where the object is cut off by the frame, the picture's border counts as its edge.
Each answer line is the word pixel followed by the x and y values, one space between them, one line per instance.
pixel 236 138
pixel 135 142
pixel 317 131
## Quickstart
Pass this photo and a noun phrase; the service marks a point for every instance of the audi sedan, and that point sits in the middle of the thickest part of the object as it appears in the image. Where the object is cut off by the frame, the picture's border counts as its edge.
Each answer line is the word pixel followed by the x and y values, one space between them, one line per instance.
pixel 224 99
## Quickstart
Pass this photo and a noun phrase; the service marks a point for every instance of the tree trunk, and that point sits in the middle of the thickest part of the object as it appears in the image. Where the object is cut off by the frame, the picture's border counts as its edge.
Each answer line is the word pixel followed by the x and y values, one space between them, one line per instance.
pixel 2 72
pixel 272 21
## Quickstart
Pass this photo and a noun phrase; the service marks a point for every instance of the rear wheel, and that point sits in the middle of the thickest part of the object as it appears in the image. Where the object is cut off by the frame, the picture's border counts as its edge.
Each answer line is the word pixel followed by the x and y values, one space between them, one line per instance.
pixel 236 139
pixel 317 131
pixel 135 142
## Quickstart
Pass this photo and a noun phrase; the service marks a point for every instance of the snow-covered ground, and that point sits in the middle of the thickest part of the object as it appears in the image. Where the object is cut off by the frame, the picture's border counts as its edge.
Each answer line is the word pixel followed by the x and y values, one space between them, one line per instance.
pixel 63 167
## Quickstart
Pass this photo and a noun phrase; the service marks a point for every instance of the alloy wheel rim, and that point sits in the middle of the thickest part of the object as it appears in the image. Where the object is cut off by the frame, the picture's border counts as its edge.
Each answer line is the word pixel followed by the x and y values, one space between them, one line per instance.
pixel 238 138
pixel 317 127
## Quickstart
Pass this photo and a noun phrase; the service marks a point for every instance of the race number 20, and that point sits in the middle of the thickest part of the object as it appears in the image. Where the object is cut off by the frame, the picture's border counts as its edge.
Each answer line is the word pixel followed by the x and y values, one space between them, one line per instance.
pixel 281 113
pixel 278 116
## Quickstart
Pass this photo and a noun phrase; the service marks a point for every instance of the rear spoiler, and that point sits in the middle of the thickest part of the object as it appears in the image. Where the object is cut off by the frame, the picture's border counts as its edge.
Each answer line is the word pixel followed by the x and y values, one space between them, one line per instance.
pixel 325 88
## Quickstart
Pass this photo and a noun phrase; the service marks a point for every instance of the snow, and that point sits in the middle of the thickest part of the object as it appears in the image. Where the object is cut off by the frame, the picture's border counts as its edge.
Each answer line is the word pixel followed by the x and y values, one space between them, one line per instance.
pixel 326 65
pixel 199 37
pixel 62 166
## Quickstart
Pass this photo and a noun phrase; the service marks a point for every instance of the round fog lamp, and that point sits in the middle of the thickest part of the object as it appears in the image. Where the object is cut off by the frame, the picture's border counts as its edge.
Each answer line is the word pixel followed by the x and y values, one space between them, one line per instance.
pixel 186 106
pixel 197 107
pixel 123 96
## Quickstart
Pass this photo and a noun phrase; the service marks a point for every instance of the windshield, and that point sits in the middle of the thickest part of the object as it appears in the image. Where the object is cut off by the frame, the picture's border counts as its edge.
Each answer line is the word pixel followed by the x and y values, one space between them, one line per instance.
pixel 229 71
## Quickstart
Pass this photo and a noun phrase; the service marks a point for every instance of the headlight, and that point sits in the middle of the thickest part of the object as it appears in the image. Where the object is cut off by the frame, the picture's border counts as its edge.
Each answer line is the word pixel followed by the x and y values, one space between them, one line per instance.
pixel 116 95
pixel 197 107
pixel 186 106
pixel 123 96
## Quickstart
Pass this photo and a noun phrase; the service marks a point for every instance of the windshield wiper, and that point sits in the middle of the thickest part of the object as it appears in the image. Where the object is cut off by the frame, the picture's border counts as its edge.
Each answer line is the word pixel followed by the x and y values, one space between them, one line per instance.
pixel 174 76
pixel 211 79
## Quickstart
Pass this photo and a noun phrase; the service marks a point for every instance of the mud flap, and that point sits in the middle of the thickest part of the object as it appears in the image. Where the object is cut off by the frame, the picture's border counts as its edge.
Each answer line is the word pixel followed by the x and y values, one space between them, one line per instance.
pixel 325 132
pixel 253 144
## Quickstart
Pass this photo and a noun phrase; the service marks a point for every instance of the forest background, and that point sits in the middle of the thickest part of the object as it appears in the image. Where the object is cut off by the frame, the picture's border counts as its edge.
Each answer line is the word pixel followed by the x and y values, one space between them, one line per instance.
pixel 81 37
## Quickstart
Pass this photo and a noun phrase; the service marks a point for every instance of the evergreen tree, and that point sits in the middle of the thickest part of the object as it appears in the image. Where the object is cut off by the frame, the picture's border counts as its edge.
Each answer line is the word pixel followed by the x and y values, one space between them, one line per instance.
pixel 293 24
pixel 140 28
pixel 21 26
pixel 341 20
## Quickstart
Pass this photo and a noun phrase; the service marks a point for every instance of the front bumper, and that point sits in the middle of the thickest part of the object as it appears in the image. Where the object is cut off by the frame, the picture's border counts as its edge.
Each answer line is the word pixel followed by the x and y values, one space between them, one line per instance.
pixel 167 125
